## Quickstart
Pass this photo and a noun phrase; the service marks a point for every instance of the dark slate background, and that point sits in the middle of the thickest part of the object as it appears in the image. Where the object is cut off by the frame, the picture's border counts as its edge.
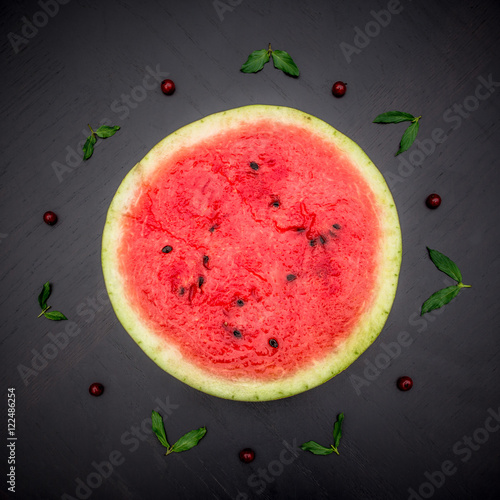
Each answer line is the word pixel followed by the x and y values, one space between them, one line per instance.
pixel 87 63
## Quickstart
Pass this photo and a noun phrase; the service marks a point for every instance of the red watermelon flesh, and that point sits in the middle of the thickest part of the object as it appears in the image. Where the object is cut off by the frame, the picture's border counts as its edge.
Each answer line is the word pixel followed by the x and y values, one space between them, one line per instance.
pixel 252 255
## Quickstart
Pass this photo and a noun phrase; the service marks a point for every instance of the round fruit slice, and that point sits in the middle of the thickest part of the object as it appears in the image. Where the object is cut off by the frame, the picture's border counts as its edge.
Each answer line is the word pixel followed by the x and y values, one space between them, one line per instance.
pixel 253 254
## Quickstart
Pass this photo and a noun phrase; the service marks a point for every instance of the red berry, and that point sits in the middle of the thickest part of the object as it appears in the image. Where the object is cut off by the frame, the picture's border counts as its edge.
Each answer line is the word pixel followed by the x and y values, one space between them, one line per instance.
pixel 339 88
pixel 50 218
pixel 96 389
pixel 404 383
pixel 247 455
pixel 168 87
pixel 433 200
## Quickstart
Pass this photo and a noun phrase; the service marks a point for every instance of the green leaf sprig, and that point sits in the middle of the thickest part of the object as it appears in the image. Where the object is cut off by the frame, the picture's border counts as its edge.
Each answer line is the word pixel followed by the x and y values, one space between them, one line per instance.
pixel 318 449
pixel 445 295
pixel 397 117
pixel 42 300
pixel 103 132
pixel 281 59
pixel 184 443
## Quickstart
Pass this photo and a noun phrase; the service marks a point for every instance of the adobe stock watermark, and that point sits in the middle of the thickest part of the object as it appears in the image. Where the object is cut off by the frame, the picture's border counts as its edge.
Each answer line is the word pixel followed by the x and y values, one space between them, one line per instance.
pixel 264 476
pixel 87 310
pixel 383 359
pixel 392 350
pixel 454 115
pixel 30 28
pixel 221 7
pixel 464 449
pixel 373 28
pixel 121 107
pixel 131 439
pixel 151 81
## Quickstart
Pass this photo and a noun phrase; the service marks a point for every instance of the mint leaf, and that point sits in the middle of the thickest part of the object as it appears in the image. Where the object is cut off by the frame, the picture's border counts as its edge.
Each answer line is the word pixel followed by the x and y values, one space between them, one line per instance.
pixel 337 432
pixel 409 136
pixel 44 310
pixel 316 448
pixel 445 264
pixel 44 295
pixel 88 147
pixel 106 131
pixel 256 61
pixel 159 428
pixel 440 298
pixel 42 301
pixel 186 442
pixel 399 116
pixel 281 59
pixel 284 62
pixel 445 295
pixel 189 440
pixel 103 132
pixel 393 117
pixel 55 315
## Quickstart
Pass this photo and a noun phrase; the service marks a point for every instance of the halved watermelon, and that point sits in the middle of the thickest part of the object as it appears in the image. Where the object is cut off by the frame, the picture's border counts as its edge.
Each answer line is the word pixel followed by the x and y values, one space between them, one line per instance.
pixel 253 254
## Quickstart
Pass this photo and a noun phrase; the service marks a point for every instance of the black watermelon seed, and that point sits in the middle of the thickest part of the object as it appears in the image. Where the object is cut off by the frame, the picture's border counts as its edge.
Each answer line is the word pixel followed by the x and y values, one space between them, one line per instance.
pixel 167 249
pixel 201 280
pixel 240 302
pixel 237 334
pixel 254 166
pixel 273 343
pixel 206 258
pixel 312 243
pixel 212 229
pixel 291 277
pixel 181 291
pixel 321 239
pixel 336 226
pixel 300 229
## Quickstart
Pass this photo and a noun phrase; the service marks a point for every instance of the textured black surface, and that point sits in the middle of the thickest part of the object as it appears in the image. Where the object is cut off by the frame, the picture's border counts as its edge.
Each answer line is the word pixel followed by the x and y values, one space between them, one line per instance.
pixel 430 59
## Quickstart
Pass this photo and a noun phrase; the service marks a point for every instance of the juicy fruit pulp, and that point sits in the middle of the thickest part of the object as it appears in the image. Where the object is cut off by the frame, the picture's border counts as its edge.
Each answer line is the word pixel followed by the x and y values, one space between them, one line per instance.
pixel 253 254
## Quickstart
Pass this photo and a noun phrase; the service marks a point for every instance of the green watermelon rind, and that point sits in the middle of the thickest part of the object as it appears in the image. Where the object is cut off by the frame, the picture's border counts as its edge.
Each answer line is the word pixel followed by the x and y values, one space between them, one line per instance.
pixel 167 356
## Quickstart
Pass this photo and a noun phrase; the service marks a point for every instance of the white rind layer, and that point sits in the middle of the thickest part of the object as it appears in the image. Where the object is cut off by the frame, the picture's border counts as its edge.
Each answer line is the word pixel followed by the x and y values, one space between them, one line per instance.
pixel 168 356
